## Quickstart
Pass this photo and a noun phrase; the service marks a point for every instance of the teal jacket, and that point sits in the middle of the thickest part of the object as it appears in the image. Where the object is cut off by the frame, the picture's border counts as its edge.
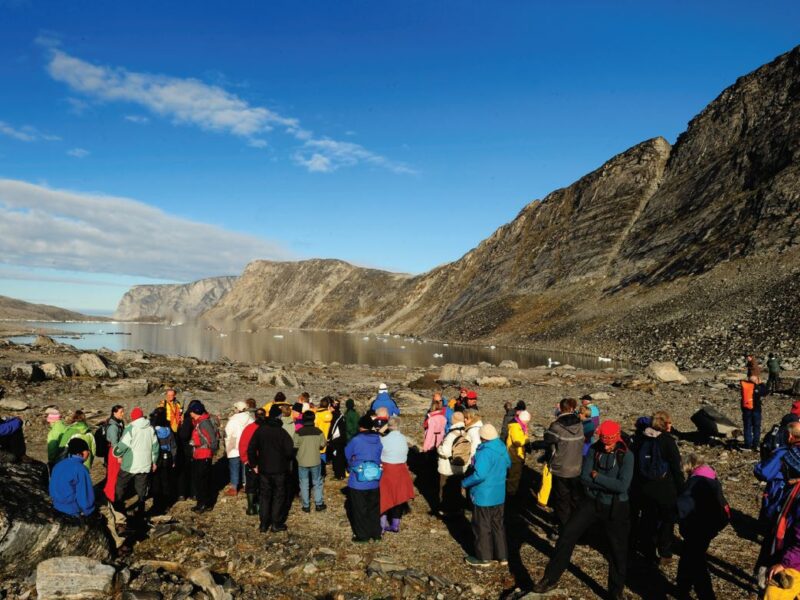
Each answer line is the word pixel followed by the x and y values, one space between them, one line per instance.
pixel 138 447
pixel 487 483
pixel 614 473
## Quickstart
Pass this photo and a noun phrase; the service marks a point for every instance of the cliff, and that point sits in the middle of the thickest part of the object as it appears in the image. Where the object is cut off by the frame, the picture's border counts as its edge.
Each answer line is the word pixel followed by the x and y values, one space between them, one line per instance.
pixel 172 302
pixel 13 309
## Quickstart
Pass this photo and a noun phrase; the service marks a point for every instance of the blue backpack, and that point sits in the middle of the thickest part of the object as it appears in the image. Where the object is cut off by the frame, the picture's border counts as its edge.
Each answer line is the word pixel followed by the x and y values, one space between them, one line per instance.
pixel 368 471
pixel 652 465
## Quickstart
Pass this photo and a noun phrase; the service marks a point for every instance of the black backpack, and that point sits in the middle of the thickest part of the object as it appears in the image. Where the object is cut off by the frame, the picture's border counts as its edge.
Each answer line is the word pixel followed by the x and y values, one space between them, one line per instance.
pixel 652 464
pixel 100 440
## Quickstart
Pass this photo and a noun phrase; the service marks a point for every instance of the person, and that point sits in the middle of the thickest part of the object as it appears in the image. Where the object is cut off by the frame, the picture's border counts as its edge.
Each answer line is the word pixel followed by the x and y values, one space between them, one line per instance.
pixel 57 427
pixel 448 412
pixel 703 512
pixel 658 478
pixel 487 489
pixel 137 451
pixel 753 367
pixel 753 391
pixel 563 441
pixel 323 421
pixel 351 418
pixel 337 440
pixel 77 427
pixel 12 440
pixel 173 408
pixel 472 427
pixel 460 402
pixel 205 442
pixel 233 431
pixel 114 429
pixel 297 415
pixel 185 430
pixel 251 483
pixel 434 425
pixel 381 420
pixel 269 451
pixel 280 398
pixel 396 487
pixel 383 399
pixel 511 411
pixel 309 441
pixel 452 464
pixel 516 444
pixel 287 420
pixel 606 475
pixel 589 427
pixel 363 454
pixel 472 400
pixel 774 374
pixel 163 478
pixel 594 410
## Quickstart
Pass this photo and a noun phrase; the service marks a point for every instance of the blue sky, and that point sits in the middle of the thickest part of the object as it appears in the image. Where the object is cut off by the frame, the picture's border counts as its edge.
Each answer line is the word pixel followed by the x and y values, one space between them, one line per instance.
pixel 153 141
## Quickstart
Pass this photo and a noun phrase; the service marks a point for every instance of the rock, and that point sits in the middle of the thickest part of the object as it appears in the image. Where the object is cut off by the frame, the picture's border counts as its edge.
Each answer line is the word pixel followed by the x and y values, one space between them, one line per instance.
pixel 556 593
pixel 382 565
pixel 44 341
pixel 485 365
pixel 141 595
pixel 452 373
pixel 203 579
pixel 73 577
pixel 14 405
pixel 130 356
pixel 666 372
pixel 277 378
pixel 496 382
pixel 54 371
pixel 127 388
pixel 508 364
pixel 90 365
pixel 599 396
pixel 310 568
pixel 411 402
pixel 796 388
pixel 30 531
pixel 27 372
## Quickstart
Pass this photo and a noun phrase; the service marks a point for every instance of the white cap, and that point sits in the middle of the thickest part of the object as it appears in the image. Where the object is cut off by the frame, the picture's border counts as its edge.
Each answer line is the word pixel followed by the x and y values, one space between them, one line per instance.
pixel 382 386
pixel 524 416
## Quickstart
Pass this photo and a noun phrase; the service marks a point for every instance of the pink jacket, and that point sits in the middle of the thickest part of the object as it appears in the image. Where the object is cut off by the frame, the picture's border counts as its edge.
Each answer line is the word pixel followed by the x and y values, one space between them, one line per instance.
pixel 435 425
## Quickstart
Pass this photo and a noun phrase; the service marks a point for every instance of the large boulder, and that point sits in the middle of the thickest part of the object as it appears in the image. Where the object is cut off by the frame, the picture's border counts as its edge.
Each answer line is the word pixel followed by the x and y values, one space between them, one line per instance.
pixel 74 578
pixel 127 388
pixel 130 356
pixel 277 378
pixel 453 373
pixel 26 372
pixel 13 405
pixel 44 341
pixel 496 382
pixel 508 364
pixel 55 371
pixel 32 531
pixel 90 365
pixel 666 372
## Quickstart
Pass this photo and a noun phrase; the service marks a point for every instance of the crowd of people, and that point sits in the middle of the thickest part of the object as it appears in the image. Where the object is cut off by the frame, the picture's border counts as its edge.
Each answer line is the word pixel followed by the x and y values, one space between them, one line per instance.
pixel 635 488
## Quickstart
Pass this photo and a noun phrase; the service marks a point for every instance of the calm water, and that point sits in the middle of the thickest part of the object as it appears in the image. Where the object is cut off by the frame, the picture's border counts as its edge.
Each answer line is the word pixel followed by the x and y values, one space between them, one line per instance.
pixel 285 346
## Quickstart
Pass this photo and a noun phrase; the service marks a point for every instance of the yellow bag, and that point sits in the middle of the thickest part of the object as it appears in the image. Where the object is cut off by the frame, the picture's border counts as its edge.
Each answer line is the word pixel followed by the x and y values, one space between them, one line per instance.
pixel 547 484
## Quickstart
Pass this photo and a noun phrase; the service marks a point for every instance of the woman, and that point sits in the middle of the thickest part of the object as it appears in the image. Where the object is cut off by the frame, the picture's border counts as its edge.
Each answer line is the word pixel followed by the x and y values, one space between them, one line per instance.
pixel 434 425
pixel 363 454
pixel 57 428
pixel 163 482
pixel 116 424
pixel 240 419
pixel 337 442
pixel 184 468
pixel 77 427
pixel 515 443
pixel 396 485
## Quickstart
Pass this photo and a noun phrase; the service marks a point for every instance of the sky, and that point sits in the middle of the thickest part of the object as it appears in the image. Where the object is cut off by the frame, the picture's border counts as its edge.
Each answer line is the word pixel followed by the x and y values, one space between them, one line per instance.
pixel 154 142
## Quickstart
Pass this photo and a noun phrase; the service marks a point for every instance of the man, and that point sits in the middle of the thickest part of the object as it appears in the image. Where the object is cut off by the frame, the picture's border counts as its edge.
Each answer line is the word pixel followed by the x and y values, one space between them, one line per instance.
pixel 606 475
pixel 12 440
pixel 174 415
pixel 137 451
pixel 363 454
pixel 472 400
pixel 384 400
pixel 774 370
pixel 487 489
pixel 251 482
pixel 309 442
pixel 270 452
pixel 205 443
pixel 233 431
pixel 753 390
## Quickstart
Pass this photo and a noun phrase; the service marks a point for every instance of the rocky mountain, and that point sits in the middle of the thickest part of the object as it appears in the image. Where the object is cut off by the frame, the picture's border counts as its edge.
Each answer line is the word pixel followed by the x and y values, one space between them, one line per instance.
pixel 13 309
pixel 172 302
pixel 686 253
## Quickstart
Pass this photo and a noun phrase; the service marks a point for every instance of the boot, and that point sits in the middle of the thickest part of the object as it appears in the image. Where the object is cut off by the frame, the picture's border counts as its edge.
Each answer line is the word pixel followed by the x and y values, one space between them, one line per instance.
pixel 251 505
pixel 395 526
pixel 384 523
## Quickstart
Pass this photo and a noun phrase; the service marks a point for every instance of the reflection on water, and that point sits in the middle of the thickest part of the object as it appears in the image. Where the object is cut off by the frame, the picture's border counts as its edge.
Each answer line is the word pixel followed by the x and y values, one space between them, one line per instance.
pixel 286 346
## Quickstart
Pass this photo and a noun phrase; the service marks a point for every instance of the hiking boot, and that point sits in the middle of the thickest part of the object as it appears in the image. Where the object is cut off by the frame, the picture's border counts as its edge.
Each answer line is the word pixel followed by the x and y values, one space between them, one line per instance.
pixel 357 540
pixel 306 509
pixel 384 523
pixel 263 527
pixel 502 563
pixel 394 526
pixel 279 528
pixel 230 491
pixel 198 508
pixel 321 507
pixel 477 562
pixel 544 585
pixel 251 505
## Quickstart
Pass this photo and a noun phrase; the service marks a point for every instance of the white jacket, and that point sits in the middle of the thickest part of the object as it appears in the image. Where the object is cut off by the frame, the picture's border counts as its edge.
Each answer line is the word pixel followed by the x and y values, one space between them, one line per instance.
pixel 445 451
pixel 474 433
pixel 233 431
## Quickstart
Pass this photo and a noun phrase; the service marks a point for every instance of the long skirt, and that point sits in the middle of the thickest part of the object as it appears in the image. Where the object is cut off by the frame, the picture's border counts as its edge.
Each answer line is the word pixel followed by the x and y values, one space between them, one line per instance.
pixel 396 486
pixel 113 465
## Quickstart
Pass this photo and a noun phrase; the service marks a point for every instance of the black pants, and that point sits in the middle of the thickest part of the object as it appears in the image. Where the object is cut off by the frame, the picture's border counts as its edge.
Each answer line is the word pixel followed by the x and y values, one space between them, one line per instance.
pixel 693 569
pixel 251 483
pixel 141 485
pixel 337 457
pixel 565 497
pixel 773 382
pixel 490 532
pixel 364 511
pixel 13 446
pixel 163 484
pixel 451 498
pixel 184 474
pixel 616 523
pixel 201 481
pixel 272 505
pixel 656 528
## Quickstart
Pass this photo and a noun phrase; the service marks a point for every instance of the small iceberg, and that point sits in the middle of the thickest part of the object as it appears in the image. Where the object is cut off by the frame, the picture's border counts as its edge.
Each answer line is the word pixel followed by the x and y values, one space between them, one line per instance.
pixel 278 336
pixel 492 347
pixel 552 363
pixel 365 338
pixel 402 347
pixel 435 355
pixel 603 359
pixel 223 335
pixel 446 345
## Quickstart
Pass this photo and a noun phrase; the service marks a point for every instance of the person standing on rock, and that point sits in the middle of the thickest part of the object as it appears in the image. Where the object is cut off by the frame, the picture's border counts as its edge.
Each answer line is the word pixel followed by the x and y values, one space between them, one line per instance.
pixel 137 451
pixel 233 431
pixel 606 475
pixel 309 442
pixel 487 489
pixel 363 454
pixel 173 407
pixel 384 400
pixel 114 429
pixel 454 457
pixel 270 451
pixel 396 486
pixel 54 434
pixel 205 443
pixel 774 370
pixel 516 444
pixel 753 391
pixel 251 483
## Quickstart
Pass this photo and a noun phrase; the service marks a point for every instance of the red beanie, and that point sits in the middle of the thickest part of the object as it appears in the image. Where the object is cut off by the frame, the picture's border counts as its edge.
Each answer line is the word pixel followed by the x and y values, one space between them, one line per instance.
pixel 609 432
pixel 795 408
pixel 136 413
pixel 472 395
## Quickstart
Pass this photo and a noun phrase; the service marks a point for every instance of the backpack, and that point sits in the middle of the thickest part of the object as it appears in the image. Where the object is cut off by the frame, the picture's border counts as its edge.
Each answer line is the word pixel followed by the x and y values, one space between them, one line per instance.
pixel 774 439
pixel 100 440
pixel 368 471
pixel 652 465
pixel 462 450
pixel 216 438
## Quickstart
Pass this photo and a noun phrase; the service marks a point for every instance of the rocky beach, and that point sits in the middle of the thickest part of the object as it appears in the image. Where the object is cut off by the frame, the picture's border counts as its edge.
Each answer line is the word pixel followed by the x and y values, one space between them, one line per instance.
pixel 221 554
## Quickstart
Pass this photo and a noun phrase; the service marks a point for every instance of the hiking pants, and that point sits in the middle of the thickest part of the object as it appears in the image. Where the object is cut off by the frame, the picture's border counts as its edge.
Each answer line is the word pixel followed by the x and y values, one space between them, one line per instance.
pixel 365 513
pixel 565 497
pixel 752 428
pixel 615 521
pixel 773 382
pixel 451 498
pixel 13 446
pixel 140 485
pixel 235 473
pixel 693 569
pixel 514 476
pixel 184 475
pixel 312 476
pixel 489 530
pixel 656 527
pixel 338 459
pixel 201 481
pixel 272 499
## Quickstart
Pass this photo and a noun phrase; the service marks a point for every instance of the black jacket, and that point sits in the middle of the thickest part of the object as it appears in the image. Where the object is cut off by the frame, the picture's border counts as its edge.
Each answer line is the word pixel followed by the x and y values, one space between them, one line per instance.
pixel 663 491
pixel 270 448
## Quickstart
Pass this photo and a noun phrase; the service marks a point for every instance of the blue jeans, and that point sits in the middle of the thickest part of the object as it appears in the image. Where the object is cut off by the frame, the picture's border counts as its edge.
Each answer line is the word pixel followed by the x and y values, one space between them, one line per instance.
pixel 314 474
pixel 235 470
pixel 752 427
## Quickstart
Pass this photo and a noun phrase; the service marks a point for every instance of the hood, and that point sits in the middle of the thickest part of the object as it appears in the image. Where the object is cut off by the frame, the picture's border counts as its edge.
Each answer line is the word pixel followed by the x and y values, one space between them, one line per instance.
pixel 369 437
pixel 650 432
pixel 570 420
pixel 643 423
pixel 140 423
pixel 350 403
pixel 495 446
pixel 477 424
pixel 704 471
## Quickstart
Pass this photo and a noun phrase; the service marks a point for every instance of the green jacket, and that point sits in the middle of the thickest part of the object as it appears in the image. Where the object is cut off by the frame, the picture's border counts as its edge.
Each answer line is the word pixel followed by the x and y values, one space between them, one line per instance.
pixel 138 447
pixel 309 441
pixel 81 430
pixel 54 441
pixel 773 365
pixel 351 423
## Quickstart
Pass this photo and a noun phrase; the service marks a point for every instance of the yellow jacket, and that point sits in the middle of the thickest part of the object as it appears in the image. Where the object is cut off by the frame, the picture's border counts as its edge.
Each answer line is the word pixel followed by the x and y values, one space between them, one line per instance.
pixel 322 421
pixel 174 414
pixel 515 442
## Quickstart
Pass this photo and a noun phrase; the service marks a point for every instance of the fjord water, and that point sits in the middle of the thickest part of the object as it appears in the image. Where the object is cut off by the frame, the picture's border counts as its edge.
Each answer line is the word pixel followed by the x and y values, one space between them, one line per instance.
pixel 287 346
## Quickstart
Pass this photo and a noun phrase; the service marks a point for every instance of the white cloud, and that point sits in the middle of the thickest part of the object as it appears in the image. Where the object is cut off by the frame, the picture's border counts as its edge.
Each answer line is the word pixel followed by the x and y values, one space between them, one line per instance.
pixel 78 153
pixel 190 101
pixel 138 119
pixel 26 133
pixel 77 106
pixel 42 227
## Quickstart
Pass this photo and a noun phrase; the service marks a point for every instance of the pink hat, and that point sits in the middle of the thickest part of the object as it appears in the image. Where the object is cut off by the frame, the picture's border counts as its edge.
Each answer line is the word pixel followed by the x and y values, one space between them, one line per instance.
pixel 52 417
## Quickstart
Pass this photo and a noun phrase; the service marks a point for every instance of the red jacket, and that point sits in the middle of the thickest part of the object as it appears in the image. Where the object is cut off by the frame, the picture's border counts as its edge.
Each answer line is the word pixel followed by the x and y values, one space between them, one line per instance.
pixel 244 439
pixel 202 442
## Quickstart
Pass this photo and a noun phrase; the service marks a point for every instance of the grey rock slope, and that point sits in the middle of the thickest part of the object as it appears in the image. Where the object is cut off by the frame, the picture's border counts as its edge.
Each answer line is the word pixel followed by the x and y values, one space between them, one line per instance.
pixel 172 302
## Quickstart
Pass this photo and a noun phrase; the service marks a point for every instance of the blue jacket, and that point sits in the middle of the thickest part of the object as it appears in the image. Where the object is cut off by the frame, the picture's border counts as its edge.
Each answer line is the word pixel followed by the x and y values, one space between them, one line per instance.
pixel 771 471
pixel 487 484
pixel 384 400
pixel 9 426
pixel 614 473
pixel 364 447
pixel 71 487
pixel 448 414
